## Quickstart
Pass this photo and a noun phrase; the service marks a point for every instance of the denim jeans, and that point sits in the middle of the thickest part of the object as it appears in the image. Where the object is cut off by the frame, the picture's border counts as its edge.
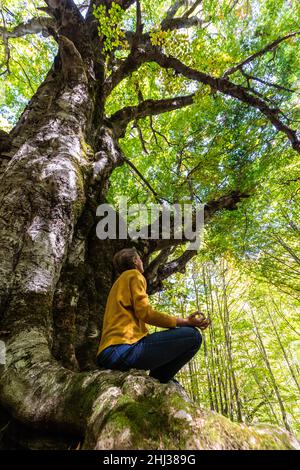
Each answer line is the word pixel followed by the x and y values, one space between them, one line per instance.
pixel 163 353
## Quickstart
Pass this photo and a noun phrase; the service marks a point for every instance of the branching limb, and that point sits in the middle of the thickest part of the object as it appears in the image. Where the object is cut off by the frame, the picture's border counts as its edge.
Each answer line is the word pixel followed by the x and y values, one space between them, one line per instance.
pixel 140 42
pixel 192 8
pixel 265 82
pixel 180 23
pixel 159 260
pixel 141 137
pixel 121 118
pixel 263 51
pixel 34 26
pixel 228 88
pixel 171 12
pixel 148 53
pixel 164 270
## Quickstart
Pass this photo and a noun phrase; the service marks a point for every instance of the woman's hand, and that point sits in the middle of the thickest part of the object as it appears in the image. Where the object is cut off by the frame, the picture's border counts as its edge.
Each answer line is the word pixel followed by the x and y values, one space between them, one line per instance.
pixel 200 322
pixel 192 320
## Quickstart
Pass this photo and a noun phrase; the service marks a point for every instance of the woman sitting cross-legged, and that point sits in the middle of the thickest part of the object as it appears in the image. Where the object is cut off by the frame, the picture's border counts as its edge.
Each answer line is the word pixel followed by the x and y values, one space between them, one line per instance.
pixel 126 342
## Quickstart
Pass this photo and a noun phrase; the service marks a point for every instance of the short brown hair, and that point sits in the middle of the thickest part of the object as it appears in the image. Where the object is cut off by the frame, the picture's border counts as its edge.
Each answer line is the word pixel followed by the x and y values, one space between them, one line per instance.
pixel 123 259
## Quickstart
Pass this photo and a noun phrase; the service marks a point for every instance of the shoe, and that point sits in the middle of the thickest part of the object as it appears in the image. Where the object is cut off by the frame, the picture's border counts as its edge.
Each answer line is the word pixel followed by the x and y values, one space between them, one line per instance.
pixel 181 389
pixel 175 381
pixel 178 384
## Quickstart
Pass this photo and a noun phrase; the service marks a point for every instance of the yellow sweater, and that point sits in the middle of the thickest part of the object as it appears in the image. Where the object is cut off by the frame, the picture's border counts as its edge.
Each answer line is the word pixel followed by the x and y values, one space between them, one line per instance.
pixel 128 309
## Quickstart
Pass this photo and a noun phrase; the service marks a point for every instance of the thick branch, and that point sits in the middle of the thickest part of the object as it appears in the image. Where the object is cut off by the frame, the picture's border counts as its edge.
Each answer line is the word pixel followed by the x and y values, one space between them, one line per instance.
pixel 121 118
pixel 139 25
pixel 228 88
pixel 130 64
pixel 33 26
pixel 156 275
pixel 70 23
pixel 180 23
pixel 173 9
pixel 160 259
pixel 63 8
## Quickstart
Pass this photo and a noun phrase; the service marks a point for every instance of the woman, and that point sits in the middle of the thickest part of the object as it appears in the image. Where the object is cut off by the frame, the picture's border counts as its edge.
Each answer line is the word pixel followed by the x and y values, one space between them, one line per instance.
pixel 126 342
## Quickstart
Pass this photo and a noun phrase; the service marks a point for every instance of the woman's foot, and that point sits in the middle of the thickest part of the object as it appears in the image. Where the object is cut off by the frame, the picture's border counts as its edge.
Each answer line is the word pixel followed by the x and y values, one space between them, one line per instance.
pixel 181 389
pixel 175 381
pixel 178 384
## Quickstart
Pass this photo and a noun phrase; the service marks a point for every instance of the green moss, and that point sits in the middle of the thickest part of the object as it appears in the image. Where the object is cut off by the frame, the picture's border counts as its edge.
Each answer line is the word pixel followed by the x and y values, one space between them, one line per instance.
pixel 148 421
pixel 86 148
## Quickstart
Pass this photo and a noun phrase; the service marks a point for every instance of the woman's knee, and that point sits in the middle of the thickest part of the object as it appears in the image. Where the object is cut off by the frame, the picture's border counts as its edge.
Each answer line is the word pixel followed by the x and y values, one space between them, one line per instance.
pixel 194 336
pixel 198 337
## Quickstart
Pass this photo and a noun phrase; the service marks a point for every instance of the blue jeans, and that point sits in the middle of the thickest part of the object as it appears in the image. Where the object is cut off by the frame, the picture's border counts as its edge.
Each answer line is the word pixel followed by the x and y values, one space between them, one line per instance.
pixel 163 353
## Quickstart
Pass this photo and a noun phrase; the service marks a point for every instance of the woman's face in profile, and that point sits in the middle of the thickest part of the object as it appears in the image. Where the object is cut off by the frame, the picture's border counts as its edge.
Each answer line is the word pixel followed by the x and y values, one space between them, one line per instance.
pixel 139 263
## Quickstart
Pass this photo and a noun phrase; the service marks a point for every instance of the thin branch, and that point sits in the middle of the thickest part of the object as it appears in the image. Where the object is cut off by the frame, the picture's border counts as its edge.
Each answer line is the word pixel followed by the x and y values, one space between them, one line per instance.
pixel 130 64
pixel 142 178
pixel 26 75
pixel 142 140
pixel 6 47
pixel 193 8
pixel 155 131
pixel 270 84
pixel 263 51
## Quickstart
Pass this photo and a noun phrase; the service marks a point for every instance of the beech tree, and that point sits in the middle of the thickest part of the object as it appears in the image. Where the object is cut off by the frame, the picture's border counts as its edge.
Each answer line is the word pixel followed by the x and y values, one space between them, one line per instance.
pixel 57 162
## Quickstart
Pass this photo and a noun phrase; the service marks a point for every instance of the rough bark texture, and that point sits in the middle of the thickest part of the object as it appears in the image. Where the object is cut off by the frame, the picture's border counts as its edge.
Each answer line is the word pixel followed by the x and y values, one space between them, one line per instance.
pixel 55 276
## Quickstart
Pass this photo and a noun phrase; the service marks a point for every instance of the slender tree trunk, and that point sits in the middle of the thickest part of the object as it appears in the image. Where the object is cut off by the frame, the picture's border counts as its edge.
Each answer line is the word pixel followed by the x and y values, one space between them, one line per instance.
pixel 292 372
pixel 264 393
pixel 273 380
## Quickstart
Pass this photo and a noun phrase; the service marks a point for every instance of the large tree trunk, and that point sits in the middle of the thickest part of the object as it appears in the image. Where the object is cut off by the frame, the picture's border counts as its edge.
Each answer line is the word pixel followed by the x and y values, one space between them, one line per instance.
pixel 54 279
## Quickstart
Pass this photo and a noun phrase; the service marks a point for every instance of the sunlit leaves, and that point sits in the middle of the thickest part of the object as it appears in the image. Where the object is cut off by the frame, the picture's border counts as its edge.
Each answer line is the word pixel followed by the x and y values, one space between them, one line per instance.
pixel 109 26
pixel 30 59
